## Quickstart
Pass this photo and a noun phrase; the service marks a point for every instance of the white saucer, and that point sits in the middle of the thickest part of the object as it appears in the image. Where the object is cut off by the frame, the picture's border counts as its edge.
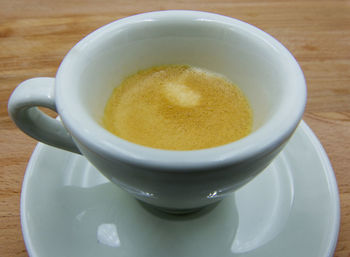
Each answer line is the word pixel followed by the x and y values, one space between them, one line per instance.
pixel 291 209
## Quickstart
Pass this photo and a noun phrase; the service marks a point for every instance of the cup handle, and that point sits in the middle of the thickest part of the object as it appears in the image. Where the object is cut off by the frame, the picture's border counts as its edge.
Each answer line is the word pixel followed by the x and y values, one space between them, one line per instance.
pixel 22 108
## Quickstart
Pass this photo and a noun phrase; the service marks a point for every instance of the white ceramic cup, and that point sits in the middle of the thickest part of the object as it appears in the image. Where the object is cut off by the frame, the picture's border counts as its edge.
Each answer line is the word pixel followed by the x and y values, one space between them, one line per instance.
pixel 177 181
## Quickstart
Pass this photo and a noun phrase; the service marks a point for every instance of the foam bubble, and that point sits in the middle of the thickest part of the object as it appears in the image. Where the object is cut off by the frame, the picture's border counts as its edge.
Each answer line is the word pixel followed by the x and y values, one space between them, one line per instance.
pixel 182 95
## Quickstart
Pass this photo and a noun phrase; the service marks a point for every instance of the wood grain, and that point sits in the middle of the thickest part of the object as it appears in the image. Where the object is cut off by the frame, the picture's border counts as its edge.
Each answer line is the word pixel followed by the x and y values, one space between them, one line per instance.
pixel 36 34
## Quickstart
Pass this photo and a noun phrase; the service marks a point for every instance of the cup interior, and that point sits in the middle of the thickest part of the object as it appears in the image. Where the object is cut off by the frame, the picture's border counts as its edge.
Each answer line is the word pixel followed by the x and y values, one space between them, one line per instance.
pixel 257 63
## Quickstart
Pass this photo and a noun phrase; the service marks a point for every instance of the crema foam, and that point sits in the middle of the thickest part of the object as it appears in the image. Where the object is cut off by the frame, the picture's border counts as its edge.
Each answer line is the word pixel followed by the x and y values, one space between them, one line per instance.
pixel 178 107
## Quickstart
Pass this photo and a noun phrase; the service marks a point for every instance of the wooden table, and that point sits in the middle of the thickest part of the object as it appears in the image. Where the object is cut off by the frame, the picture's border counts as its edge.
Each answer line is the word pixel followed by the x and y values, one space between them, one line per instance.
pixel 36 34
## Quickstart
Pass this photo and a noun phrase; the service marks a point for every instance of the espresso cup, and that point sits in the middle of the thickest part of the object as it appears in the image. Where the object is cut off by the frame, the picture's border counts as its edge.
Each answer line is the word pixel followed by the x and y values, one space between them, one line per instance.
pixel 175 181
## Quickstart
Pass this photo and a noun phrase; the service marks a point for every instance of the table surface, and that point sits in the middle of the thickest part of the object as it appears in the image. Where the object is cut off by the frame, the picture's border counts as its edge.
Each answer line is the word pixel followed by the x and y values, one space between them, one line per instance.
pixel 36 34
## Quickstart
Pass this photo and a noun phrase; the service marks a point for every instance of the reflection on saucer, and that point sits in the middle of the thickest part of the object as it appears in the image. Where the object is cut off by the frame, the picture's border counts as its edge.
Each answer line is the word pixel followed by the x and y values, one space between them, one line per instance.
pixel 263 211
pixel 80 173
pixel 107 234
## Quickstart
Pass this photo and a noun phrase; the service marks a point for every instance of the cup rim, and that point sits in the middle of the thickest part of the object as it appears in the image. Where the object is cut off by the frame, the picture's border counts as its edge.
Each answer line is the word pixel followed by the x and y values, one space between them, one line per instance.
pixel 111 147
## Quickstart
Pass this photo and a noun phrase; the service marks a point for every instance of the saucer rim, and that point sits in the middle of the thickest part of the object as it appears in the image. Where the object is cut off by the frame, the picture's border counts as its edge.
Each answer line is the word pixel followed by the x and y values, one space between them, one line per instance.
pixel 305 129
pixel 330 175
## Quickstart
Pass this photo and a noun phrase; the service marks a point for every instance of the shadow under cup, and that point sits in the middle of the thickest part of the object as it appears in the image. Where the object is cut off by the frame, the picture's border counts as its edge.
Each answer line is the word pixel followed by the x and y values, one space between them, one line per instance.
pixel 265 71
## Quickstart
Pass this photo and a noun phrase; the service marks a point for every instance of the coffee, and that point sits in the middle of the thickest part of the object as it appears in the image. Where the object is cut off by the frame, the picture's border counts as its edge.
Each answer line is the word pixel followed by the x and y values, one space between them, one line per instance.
pixel 178 107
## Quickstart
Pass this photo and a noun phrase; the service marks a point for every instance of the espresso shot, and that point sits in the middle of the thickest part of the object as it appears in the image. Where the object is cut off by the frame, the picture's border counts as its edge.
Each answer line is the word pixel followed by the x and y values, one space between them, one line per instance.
pixel 178 107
